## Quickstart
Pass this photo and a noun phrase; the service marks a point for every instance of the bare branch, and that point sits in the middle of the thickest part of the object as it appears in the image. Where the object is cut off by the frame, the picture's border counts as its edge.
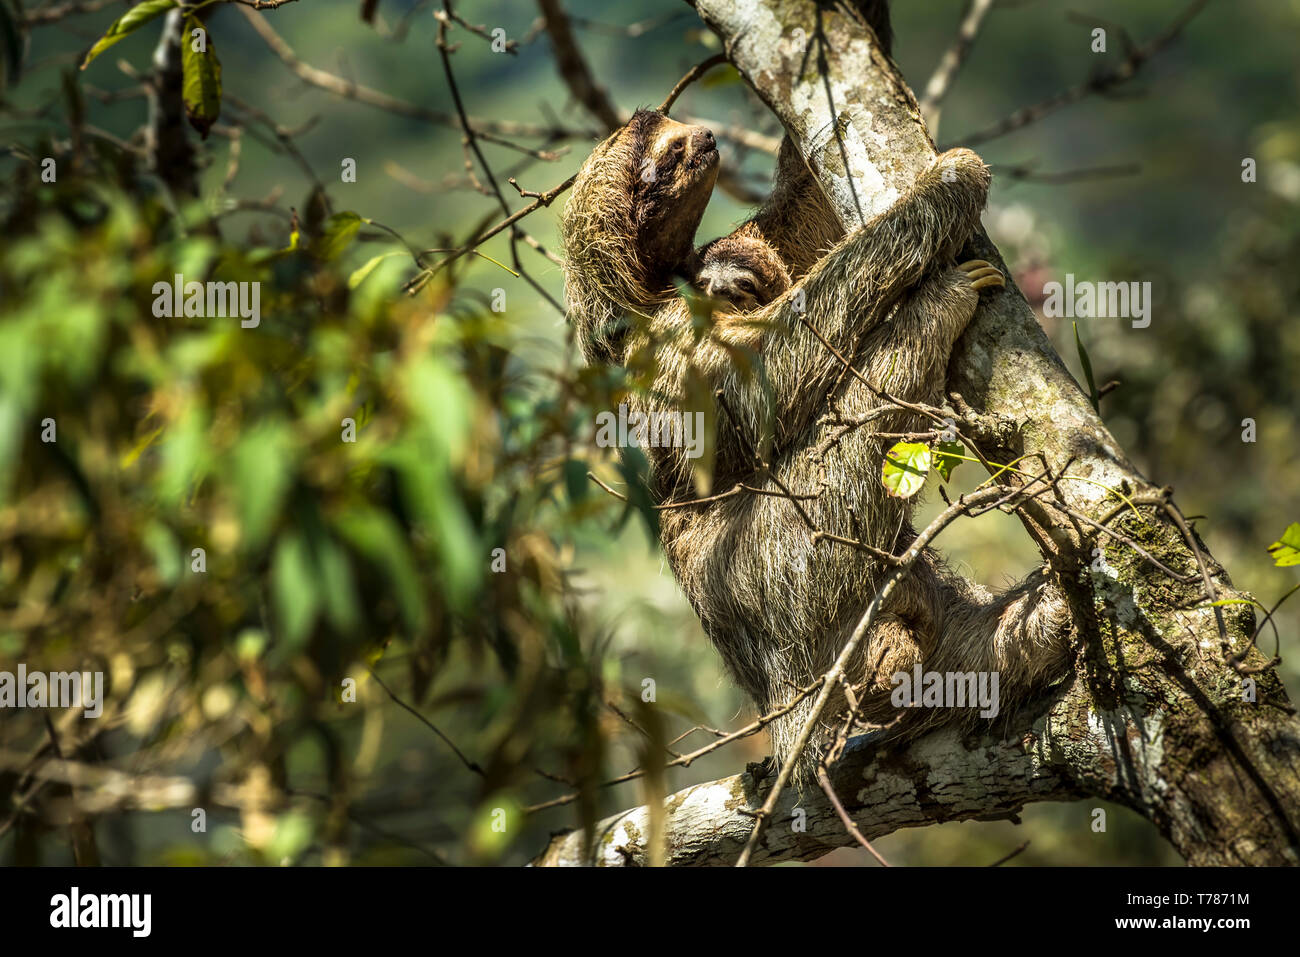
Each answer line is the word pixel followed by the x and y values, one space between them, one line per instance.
pixel 573 68
pixel 951 62
pixel 347 89
pixel 1104 82
pixel 38 18
pixel 693 74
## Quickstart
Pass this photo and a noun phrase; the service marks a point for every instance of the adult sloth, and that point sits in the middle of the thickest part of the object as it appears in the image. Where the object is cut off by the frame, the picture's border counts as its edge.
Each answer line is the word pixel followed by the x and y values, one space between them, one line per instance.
pixel 777 604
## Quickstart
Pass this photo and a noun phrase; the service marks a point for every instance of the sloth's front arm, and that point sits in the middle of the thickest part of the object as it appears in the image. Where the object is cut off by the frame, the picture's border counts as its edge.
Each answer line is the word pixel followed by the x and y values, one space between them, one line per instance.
pixel 851 290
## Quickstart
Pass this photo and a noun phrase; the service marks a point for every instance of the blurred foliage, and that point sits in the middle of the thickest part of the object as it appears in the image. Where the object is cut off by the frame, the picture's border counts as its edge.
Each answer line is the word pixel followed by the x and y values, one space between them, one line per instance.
pixel 321 554
pixel 326 558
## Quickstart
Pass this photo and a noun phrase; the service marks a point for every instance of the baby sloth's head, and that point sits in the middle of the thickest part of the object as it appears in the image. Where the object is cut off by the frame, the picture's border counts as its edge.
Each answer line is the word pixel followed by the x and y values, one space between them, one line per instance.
pixel 743 271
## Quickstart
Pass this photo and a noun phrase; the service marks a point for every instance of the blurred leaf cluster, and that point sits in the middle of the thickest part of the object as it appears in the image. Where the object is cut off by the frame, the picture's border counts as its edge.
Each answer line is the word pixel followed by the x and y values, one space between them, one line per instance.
pixel 426 546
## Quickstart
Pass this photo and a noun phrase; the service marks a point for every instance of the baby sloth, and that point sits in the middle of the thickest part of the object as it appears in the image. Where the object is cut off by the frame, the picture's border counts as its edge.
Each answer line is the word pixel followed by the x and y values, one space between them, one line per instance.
pixel 743 270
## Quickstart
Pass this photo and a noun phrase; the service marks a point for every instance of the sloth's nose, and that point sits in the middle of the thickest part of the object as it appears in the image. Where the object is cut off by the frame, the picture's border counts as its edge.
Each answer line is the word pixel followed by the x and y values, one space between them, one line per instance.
pixel 702 139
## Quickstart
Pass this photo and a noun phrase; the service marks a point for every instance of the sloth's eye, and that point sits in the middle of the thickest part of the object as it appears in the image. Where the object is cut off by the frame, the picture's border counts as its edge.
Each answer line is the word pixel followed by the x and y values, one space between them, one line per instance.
pixel 673 155
pixel 745 286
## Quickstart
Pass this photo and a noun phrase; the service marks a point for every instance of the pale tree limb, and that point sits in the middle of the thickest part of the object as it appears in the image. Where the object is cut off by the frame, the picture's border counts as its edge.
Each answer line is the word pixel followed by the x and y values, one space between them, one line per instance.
pixel 938 778
pixel 952 60
pixel 1064 749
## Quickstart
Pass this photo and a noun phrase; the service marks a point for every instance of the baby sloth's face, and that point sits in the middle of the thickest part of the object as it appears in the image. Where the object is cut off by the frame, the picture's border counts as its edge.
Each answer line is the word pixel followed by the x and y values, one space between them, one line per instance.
pixel 733 283
pixel 746 273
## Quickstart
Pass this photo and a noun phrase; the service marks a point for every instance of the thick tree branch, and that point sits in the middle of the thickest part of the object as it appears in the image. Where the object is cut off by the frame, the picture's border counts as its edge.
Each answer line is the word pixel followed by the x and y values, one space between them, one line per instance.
pixel 938 778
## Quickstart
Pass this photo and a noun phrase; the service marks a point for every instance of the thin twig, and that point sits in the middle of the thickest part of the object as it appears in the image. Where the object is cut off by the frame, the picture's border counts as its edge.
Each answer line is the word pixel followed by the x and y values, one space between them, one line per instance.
pixel 471 765
pixel 573 67
pixel 951 62
pixel 1006 857
pixel 1103 82
pixel 686 760
pixel 850 825
pixel 350 90
pixel 693 74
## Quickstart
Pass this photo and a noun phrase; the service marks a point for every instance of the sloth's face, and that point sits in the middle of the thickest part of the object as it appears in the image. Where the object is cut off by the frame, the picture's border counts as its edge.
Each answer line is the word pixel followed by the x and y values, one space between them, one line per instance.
pixel 675 169
pixel 744 271
pixel 738 285
pixel 683 159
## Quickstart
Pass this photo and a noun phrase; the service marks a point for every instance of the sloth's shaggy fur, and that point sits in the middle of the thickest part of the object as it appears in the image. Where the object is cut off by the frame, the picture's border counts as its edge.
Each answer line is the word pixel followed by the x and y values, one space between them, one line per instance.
pixel 777 607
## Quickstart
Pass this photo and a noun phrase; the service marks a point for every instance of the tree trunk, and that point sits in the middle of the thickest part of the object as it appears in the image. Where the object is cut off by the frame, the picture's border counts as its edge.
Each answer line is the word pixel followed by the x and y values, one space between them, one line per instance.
pixel 1155 717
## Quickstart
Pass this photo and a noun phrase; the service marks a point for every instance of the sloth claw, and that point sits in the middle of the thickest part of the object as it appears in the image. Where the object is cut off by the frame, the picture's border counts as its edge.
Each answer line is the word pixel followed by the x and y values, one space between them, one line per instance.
pixel 982 275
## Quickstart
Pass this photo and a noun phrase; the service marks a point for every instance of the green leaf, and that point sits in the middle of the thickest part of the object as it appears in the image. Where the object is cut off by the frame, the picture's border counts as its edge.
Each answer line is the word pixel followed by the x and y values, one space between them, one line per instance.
pixel 166 551
pixel 293 834
pixel 127 24
pixel 262 469
pixel 201 82
pixel 1286 550
pixel 575 480
pixel 340 594
pixel 11 439
pixel 906 466
pixel 947 456
pixel 340 230
pixel 430 490
pixel 361 275
pixel 728 75
pixel 494 825
pixel 184 455
pixel 1093 395
pixel 249 644
pixel 294 589
pixel 442 402
pixel 379 540
pixel 635 468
